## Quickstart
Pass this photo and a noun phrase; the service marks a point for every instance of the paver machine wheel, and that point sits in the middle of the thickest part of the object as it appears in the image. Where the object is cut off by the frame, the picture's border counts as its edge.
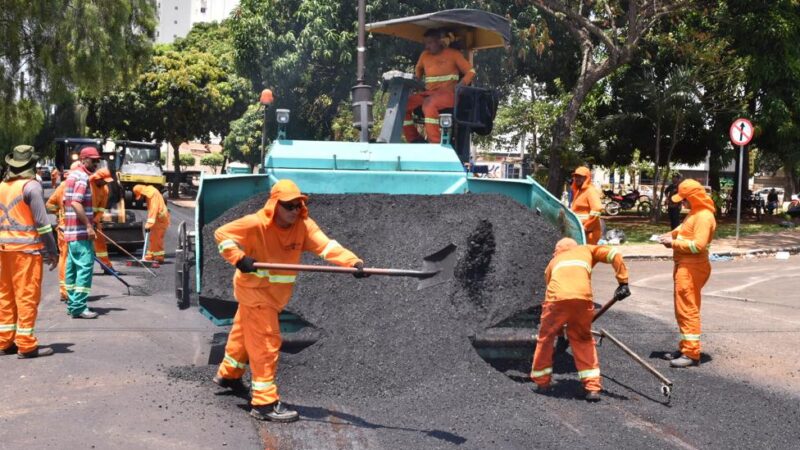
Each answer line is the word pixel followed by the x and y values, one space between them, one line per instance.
pixel 184 261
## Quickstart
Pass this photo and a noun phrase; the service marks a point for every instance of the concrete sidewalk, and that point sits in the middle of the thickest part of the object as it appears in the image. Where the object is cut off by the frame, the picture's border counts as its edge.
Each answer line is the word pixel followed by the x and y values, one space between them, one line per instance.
pixel 754 244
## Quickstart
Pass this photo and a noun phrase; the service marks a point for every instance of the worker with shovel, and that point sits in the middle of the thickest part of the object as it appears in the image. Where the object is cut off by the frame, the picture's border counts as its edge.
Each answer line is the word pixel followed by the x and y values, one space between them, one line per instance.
pixel 99 185
pixel 568 301
pixel 689 243
pixel 157 221
pixel 278 233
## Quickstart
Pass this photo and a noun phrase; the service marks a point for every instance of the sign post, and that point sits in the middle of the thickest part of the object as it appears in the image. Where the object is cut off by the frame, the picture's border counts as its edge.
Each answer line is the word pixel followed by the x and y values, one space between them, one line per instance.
pixel 741 133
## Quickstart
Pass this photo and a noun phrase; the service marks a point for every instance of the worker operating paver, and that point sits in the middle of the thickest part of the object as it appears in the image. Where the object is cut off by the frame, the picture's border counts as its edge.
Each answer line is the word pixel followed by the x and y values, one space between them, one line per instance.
pixel 689 243
pixel 157 221
pixel 440 67
pixel 568 301
pixel 26 238
pixel 278 233
pixel 586 204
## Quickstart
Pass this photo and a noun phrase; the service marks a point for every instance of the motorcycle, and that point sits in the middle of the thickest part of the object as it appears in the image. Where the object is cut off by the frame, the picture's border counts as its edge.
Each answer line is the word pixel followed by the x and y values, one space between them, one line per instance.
pixel 617 202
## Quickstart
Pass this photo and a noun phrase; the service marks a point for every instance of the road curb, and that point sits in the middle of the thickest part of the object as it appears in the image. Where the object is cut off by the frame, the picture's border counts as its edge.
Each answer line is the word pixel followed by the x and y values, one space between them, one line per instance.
pixel 755 253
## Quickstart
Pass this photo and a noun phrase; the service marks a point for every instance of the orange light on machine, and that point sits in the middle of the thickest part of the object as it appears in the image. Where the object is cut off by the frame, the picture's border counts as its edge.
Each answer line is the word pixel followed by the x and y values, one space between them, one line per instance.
pixel 266 97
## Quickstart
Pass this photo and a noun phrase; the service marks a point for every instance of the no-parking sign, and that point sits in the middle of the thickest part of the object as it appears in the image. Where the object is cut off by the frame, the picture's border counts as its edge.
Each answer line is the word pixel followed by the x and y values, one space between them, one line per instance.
pixel 741 131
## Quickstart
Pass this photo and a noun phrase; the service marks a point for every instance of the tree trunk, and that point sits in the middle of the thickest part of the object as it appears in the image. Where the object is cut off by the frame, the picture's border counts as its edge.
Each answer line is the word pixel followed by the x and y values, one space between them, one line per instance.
pixel 224 164
pixel 656 168
pixel 176 163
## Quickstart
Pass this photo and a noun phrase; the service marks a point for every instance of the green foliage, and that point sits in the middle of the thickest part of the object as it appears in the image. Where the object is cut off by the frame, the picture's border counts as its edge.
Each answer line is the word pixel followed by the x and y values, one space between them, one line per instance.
pixel 186 160
pixel 243 143
pixel 214 161
pixel 21 126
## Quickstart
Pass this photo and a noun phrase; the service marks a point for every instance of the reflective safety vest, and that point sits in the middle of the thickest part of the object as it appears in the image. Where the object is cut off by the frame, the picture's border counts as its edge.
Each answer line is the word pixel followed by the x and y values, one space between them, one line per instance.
pixel 18 232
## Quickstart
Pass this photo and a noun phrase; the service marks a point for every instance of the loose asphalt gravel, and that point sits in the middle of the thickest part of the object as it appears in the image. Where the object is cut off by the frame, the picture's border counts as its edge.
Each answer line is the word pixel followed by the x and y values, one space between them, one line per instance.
pixel 395 369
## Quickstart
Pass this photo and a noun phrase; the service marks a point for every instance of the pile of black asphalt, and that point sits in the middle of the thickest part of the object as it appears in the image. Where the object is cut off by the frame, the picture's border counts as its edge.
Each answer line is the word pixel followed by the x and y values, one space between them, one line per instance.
pixel 394 367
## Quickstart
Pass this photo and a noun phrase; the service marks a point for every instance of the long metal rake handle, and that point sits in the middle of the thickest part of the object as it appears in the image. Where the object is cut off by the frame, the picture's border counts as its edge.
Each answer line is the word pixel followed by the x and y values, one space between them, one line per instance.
pixel 666 387
pixel 351 270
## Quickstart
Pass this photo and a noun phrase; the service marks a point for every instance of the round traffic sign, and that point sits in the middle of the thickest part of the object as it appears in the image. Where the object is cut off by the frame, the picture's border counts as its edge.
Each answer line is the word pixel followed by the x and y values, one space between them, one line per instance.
pixel 741 131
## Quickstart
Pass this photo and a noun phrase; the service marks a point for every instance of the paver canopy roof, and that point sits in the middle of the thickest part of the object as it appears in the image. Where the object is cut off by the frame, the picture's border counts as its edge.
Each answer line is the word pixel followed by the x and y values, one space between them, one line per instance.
pixel 478 29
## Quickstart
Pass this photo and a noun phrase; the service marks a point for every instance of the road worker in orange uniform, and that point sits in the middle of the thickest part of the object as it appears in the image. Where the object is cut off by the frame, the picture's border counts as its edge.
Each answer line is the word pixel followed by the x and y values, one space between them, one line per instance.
pixel 586 204
pixel 568 301
pixel 98 182
pixel 689 243
pixel 26 239
pixel 55 205
pixel 157 221
pixel 278 233
pixel 440 67
pixel 55 177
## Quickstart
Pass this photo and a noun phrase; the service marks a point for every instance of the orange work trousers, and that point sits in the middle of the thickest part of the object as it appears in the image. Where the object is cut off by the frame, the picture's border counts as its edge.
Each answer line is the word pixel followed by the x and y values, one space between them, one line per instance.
pixel 689 281
pixel 101 249
pixel 593 233
pixel 155 247
pixel 255 337
pixel 20 293
pixel 431 102
pixel 577 315
pixel 62 265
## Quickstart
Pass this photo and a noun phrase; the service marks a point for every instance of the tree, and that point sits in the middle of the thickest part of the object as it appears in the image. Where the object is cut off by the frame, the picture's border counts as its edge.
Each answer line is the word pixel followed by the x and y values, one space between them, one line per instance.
pixel 244 141
pixel 214 161
pixel 608 34
pixel 185 160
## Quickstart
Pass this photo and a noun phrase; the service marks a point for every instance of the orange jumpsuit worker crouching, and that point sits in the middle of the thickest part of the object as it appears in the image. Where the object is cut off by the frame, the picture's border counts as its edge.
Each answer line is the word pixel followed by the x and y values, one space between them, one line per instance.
pixel 586 204
pixel 568 301
pixel 278 233
pixel 157 221
pixel 98 182
pixel 441 67
pixel 689 243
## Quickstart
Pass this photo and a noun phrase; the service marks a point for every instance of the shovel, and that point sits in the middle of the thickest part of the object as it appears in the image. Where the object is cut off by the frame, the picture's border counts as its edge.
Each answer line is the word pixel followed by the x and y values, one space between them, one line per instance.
pixel 436 268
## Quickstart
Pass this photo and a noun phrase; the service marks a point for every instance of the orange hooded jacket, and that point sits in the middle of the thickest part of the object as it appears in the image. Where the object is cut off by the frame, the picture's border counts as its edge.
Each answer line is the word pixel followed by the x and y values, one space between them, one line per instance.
pixel 156 208
pixel 586 202
pixel 257 236
pixel 692 237
pixel 99 193
pixel 569 274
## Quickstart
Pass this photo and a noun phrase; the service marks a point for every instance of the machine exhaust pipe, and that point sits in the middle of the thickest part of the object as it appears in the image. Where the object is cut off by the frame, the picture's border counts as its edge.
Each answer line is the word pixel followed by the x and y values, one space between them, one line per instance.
pixel 361 93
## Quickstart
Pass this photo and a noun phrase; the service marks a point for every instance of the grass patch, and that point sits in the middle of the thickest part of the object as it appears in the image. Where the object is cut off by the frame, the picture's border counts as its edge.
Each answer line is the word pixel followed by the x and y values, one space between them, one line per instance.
pixel 639 232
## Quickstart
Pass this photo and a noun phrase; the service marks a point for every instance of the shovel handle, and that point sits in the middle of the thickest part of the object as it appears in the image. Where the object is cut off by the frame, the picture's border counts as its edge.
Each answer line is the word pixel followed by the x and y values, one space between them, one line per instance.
pixel 604 308
pixel 350 270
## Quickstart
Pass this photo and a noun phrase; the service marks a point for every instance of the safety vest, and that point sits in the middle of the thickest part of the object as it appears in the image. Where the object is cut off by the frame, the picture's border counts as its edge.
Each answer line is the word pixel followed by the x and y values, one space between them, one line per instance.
pixel 18 232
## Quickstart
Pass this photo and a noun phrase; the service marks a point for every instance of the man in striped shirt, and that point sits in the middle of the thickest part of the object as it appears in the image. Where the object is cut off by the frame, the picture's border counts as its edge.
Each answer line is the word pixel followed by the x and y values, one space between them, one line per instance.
pixel 569 301
pixel 79 234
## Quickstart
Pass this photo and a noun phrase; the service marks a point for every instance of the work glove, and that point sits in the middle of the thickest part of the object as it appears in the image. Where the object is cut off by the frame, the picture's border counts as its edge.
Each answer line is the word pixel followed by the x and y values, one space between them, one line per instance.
pixel 622 291
pixel 246 265
pixel 359 273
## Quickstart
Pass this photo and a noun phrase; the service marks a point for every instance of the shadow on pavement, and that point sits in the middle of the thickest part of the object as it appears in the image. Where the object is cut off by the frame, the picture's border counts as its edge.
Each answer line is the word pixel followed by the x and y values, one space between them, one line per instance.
pixel 704 357
pixel 60 347
pixel 94 298
pixel 104 311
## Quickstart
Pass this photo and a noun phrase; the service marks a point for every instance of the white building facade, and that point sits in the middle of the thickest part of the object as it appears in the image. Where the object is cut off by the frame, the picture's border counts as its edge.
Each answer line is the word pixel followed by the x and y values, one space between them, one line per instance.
pixel 176 17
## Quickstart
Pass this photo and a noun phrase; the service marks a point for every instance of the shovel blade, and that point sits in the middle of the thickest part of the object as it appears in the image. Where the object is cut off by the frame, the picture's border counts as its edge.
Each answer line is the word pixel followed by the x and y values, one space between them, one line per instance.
pixel 441 264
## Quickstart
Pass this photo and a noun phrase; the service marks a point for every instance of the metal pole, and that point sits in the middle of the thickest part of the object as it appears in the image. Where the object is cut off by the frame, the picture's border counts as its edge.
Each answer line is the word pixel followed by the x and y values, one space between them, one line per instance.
pixel 263 140
pixel 362 93
pixel 362 42
pixel 739 194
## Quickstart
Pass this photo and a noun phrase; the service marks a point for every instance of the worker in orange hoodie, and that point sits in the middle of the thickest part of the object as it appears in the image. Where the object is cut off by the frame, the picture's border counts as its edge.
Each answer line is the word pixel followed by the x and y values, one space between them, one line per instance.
pixel 568 301
pixel 689 243
pixel 55 205
pixel 586 204
pixel 278 233
pixel 98 182
pixel 440 67
pixel 157 221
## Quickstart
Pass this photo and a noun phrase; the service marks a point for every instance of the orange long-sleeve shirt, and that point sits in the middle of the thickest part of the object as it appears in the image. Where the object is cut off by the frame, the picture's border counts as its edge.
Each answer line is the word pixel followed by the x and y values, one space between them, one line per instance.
pixel 99 201
pixel 443 70
pixel 55 204
pixel 254 235
pixel 586 204
pixel 569 274
pixel 156 208
pixel 692 238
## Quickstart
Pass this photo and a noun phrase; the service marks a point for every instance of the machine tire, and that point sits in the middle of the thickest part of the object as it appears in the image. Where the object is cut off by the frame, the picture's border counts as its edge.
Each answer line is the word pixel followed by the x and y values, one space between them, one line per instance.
pixel 612 208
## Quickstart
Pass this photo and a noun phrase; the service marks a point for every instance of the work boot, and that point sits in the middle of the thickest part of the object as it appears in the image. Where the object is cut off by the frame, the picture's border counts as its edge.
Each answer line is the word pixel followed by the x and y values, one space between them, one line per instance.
pixel 234 384
pixel 669 356
pixel 86 314
pixel 592 396
pixel 684 361
pixel 64 299
pixel 36 353
pixel 542 388
pixel 11 350
pixel 274 412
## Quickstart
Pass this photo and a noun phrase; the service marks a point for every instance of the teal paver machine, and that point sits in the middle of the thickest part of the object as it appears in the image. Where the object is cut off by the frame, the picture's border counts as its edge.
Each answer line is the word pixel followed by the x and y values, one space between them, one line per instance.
pixel 385 166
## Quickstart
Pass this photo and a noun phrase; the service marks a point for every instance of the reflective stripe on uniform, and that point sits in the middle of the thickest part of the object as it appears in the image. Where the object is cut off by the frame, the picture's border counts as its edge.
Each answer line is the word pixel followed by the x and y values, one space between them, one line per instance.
pixel 261 385
pixel 588 373
pixel 229 359
pixel 8 327
pixel 690 337
pixel 82 290
pixel 541 373
pixel 25 331
pixel 331 245
pixel 693 247
pixel 436 79
pixel 611 254
pixel 595 214
pixel 432 120
pixel 45 229
pixel 19 240
pixel 102 254
pixel 156 253
pixel 408 122
pixel 69 287
pixel 226 244
pixel 573 263
pixel 582 216
pixel 273 278
pixel 151 220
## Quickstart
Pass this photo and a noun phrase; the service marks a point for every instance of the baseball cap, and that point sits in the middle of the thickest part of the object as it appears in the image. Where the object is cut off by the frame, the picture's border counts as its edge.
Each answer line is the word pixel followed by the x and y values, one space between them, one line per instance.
pixel 90 153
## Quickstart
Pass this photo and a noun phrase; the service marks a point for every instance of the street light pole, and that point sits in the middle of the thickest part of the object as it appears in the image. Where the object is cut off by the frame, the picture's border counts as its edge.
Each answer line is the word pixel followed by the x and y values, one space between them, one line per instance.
pixel 265 100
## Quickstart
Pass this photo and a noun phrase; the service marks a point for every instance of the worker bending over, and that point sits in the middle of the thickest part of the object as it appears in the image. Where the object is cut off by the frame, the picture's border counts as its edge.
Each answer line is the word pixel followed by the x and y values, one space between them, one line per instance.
pixel 278 233
pixel 568 301
pixel 26 237
pixel 689 243
pixel 586 204
pixel 157 221
pixel 99 185
pixel 440 68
